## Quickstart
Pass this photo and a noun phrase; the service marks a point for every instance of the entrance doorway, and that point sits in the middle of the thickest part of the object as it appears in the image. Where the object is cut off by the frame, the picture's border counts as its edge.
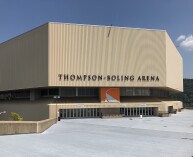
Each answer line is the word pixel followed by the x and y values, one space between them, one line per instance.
pixel 79 113
pixel 137 111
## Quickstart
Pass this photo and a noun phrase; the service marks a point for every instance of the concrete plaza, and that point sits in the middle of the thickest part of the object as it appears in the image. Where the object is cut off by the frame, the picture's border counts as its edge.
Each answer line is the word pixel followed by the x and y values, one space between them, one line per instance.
pixel 129 137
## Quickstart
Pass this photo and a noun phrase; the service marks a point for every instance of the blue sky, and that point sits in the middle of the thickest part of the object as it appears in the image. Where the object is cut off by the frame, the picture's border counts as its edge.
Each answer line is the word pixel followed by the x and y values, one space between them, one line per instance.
pixel 174 16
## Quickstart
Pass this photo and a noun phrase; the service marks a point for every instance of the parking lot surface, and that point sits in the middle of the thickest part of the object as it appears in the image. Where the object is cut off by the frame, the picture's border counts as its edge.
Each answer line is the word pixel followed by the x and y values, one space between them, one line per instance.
pixel 129 137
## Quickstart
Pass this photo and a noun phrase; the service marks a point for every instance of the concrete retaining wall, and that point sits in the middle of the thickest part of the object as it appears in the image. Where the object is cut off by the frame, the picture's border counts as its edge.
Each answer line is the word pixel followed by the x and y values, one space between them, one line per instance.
pixel 190 108
pixel 45 124
pixel 25 127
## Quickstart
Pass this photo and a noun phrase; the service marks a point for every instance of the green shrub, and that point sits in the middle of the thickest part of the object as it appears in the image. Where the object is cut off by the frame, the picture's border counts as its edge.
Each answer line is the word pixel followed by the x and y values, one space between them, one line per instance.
pixel 16 117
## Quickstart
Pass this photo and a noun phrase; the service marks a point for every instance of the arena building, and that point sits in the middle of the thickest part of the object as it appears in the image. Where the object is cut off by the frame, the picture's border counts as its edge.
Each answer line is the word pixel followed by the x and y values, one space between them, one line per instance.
pixel 82 71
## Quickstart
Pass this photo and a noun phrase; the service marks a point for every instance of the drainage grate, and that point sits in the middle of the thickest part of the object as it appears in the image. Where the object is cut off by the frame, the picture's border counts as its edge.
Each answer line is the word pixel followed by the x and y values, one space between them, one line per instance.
pixel 184 138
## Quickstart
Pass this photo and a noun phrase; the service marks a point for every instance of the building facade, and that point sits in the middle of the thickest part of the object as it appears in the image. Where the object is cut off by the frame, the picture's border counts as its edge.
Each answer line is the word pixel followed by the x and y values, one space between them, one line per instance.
pixel 92 71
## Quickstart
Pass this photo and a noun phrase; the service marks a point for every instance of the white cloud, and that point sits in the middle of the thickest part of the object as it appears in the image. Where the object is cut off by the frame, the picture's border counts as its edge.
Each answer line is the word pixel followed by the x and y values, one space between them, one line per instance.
pixel 186 42
pixel 180 38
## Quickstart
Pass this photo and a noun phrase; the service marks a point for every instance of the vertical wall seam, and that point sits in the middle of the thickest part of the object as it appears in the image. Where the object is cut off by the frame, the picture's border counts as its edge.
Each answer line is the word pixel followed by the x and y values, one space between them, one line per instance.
pixel 48 53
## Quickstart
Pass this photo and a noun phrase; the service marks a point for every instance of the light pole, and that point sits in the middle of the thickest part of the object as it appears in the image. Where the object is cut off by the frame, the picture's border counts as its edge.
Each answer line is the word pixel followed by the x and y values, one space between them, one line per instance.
pixel 57 114
pixel 3 112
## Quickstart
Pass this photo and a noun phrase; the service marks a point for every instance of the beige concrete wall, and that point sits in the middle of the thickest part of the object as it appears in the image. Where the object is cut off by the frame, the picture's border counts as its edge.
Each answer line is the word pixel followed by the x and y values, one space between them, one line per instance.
pixel 53 108
pixel 176 104
pixel 180 104
pixel 25 127
pixel 87 50
pixel 45 124
pixel 14 127
pixel 174 66
pixel 24 60
pixel 34 59
pixel 42 109
pixel 161 105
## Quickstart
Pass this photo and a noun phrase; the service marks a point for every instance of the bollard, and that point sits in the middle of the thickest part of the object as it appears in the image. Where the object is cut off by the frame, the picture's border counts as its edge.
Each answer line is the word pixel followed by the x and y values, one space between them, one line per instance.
pixel 141 116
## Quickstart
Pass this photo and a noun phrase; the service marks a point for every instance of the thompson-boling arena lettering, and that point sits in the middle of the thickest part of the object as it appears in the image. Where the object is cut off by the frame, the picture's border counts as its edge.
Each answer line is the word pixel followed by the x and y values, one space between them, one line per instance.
pixel 72 77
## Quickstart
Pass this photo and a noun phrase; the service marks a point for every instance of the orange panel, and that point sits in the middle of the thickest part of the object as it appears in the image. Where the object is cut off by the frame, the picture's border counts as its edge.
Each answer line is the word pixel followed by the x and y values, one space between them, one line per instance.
pixel 110 94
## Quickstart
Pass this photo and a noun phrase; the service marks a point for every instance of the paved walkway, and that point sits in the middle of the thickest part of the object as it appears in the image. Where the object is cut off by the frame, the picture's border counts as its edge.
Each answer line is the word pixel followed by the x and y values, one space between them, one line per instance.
pixel 124 137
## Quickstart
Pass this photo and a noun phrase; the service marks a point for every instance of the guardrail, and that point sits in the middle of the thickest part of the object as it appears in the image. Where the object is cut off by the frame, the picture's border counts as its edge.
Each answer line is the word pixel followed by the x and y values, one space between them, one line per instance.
pixel 25 127
pixel 190 108
pixel 112 115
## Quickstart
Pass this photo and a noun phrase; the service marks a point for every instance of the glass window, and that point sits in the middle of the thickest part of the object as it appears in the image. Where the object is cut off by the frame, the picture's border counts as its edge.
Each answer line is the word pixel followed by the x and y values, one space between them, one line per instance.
pixel 68 92
pixel 53 91
pixel 88 92
pixel 44 92
pixel 135 92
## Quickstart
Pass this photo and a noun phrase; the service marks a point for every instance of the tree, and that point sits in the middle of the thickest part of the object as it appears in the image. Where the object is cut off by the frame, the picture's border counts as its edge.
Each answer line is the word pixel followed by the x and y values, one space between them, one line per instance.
pixel 16 117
